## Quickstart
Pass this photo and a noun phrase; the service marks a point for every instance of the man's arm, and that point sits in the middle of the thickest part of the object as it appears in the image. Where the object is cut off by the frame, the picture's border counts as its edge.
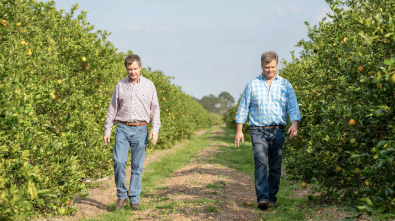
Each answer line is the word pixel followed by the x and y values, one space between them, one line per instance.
pixel 242 113
pixel 155 113
pixel 111 113
pixel 293 112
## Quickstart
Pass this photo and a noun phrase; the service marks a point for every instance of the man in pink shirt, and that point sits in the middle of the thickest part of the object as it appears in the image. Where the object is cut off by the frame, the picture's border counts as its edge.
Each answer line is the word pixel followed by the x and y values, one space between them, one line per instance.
pixel 133 103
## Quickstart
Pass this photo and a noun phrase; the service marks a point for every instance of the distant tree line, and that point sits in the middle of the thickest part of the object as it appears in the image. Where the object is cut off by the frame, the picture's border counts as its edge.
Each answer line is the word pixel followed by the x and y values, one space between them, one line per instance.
pixel 217 105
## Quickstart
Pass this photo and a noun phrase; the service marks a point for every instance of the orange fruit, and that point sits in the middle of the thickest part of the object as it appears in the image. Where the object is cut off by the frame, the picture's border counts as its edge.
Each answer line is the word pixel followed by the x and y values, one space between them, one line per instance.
pixel 249 203
pixel 392 79
pixel 344 40
pixel 351 122
pixel 4 23
pixel 314 91
pixel 327 153
pixel 360 68
pixel 304 185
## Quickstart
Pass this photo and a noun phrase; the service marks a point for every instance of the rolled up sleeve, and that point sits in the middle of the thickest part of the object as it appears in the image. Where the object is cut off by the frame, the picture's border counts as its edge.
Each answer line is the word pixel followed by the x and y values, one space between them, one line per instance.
pixel 292 105
pixel 112 112
pixel 244 106
pixel 155 111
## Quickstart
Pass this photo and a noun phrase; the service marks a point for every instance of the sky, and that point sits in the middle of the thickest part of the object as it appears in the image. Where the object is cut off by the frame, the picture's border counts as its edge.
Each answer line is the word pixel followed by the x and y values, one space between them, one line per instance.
pixel 209 46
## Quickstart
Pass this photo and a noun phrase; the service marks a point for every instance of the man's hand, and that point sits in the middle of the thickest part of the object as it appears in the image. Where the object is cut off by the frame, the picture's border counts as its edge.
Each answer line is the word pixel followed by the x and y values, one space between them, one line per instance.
pixel 106 139
pixel 239 134
pixel 154 137
pixel 293 129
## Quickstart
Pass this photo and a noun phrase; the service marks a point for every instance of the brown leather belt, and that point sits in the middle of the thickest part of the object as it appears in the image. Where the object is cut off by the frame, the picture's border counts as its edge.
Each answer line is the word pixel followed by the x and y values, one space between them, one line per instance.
pixel 274 127
pixel 133 124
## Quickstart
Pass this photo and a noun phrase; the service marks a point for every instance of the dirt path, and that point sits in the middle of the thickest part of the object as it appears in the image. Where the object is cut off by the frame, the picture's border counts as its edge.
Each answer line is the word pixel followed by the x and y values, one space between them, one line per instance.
pixel 203 191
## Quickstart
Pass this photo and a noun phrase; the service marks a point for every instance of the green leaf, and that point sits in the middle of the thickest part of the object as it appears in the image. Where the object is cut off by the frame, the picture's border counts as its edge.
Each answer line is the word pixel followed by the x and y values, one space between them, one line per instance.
pixel 381 143
pixel 387 62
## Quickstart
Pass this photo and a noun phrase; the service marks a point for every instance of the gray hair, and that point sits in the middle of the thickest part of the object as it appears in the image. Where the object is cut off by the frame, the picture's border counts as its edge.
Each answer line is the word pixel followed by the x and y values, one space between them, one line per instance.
pixel 132 58
pixel 268 57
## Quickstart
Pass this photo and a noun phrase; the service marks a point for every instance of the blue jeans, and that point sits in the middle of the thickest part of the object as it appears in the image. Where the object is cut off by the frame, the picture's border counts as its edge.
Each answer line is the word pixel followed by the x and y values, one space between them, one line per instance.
pixel 136 138
pixel 267 143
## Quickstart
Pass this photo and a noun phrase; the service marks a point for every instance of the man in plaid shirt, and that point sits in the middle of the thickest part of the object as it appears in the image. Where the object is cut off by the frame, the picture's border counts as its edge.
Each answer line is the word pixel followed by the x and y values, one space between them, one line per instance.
pixel 267 100
pixel 133 102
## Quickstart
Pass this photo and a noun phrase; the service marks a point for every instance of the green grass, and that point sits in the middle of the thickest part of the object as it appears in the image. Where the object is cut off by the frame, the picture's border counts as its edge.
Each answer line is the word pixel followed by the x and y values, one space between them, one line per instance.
pixel 215 186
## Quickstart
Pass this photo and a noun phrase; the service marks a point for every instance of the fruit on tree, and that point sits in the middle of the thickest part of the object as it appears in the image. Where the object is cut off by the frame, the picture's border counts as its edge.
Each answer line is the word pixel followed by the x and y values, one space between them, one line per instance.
pixel 392 79
pixel 360 68
pixel 330 87
pixel 314 91
pixel 304 185
pixel 18 24
pixel 345 40
pixel 338 168
pixel 59 81
pixel 366 182
pixel 357 171
pixel 83 59
pixel 4 23
pixel 353 141
pixel 348 179
pixel 351 122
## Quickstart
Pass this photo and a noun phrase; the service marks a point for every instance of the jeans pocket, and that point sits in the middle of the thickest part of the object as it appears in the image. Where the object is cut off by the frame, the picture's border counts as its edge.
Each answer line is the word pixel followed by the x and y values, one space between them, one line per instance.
pixel 143 128
pixel 121 125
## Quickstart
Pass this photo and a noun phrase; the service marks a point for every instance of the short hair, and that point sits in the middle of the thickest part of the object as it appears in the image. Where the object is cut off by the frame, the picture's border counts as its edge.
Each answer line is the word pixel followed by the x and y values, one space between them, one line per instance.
pixel 132 58
pixel 268 57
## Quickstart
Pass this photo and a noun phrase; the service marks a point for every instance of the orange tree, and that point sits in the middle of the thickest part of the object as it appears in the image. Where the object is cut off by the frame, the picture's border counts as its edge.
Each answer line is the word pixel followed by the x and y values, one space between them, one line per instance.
pixel 344 81
pixel 56 80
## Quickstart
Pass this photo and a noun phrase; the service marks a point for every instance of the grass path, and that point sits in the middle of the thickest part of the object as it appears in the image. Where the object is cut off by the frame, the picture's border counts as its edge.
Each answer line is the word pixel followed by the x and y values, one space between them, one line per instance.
pixel 207 179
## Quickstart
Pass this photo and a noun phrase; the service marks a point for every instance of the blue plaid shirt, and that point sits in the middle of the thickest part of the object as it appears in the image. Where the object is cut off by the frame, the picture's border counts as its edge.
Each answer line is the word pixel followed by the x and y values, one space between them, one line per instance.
pixel 268 105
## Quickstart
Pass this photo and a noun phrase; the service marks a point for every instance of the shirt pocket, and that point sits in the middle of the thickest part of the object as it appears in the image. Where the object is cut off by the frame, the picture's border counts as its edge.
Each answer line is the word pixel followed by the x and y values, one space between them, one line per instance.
pixel 280 97
pixel 256 100
pixel 145 98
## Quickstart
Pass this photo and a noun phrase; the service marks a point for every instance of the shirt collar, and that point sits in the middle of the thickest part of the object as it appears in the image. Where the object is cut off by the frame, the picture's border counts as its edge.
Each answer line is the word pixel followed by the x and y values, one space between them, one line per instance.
pixel 138 81
pixel 262 78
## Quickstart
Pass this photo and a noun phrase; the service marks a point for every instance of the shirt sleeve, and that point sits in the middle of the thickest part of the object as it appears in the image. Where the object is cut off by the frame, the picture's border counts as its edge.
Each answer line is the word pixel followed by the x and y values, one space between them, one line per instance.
pixel 155 111
pixel 112 112
pixel 292 105
pixel 244 106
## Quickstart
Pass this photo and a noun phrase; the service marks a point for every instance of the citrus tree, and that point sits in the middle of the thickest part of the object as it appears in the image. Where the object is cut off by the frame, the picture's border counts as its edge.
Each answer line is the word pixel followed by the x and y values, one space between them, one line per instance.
pixel 344 82
pixel 56 80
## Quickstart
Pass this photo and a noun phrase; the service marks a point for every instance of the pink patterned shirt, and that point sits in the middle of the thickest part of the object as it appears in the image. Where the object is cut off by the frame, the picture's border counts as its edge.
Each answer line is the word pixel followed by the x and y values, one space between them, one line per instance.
pixel 133 103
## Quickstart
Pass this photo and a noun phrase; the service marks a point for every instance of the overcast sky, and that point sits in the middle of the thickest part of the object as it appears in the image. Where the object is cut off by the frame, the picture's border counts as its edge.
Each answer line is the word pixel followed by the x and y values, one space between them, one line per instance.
pixel 209 46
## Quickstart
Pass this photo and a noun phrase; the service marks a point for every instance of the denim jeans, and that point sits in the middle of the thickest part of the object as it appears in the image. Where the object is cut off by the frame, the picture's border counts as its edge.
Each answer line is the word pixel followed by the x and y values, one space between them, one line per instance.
pixel 135 138
pixel 267 143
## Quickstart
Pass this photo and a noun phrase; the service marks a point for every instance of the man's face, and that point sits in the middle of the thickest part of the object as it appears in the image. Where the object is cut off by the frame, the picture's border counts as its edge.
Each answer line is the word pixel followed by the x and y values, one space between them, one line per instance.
pixel 270 69
pixel 133 70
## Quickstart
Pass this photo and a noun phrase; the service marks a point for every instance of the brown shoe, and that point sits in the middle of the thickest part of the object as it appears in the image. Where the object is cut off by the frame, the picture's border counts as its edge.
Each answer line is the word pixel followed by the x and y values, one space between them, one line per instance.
pixel 262 205
pixel 272 205
pixel 120 203
pixel 135 206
